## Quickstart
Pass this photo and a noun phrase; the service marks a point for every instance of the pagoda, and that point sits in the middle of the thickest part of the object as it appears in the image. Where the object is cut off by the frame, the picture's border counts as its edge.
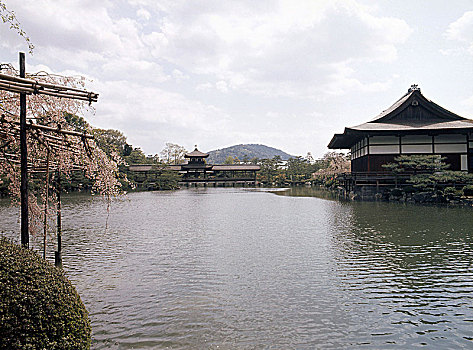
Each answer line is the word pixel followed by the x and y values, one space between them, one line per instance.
pixel 196 164
pixel 197 171
pixel 196 156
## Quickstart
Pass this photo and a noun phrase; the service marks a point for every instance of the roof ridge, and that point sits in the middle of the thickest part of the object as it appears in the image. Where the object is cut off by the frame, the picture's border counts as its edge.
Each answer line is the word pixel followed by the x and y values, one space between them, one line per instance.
pixel 394 105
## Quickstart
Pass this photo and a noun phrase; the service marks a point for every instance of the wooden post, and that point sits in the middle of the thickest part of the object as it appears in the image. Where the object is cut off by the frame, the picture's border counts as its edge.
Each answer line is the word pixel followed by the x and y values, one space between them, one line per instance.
pixel 58 254
pixel 25 238
pixel 46 207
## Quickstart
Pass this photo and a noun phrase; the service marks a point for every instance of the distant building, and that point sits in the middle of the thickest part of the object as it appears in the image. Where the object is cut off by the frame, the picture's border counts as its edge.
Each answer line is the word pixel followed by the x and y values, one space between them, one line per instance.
pixel 196 170
pixel 196 166
pixel 412 125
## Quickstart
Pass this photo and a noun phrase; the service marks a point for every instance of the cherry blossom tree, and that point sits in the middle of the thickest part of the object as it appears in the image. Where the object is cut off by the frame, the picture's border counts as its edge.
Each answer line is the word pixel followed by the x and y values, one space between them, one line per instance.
pixel 53 145
pixel 333 163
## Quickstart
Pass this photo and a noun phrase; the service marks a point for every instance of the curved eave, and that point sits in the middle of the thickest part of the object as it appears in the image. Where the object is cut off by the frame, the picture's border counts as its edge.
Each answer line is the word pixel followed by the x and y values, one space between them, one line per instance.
pixel 454 125
pixel 354 134
pixel 345 140
pixel 196 154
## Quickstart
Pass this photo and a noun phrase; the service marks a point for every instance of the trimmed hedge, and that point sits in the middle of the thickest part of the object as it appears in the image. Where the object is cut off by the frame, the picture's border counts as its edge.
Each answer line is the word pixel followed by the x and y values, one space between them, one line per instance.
pixel 39 307
pixel 468 190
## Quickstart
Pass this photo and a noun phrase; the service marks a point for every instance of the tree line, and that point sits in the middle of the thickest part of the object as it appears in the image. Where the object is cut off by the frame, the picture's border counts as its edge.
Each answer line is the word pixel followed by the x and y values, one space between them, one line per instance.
pixel 274 171
pixel 296 170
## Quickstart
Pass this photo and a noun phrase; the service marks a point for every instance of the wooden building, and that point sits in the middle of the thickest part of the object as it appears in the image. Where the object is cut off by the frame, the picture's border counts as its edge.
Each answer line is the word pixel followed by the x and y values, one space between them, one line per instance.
pixel 412 125
pixel 196 166
pixel 197 171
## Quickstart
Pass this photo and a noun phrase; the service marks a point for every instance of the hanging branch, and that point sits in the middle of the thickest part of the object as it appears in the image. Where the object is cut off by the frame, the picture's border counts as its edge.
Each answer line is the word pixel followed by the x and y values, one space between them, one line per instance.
pixel 6 144
pixel 51 147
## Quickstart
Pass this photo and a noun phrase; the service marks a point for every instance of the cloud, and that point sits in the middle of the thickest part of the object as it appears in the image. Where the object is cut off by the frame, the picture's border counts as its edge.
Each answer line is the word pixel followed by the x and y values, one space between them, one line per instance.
pixel 462 31
pixel 204 86
pixel 293 49
pixel 161 116
pixel 143 14
pixel 462 28
pixel 179 76
pixel 281 48
pixel 221 86
pixel 212 71
pixel 80 33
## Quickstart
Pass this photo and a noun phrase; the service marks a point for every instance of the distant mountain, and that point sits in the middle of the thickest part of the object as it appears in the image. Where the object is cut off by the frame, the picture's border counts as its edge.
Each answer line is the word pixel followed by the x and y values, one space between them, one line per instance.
pixel 248 151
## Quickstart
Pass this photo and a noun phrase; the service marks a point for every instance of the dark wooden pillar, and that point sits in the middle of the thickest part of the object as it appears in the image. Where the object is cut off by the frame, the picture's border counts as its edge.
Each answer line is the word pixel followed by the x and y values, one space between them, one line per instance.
pixel 25 238
pixel 58 254
pixel 46 197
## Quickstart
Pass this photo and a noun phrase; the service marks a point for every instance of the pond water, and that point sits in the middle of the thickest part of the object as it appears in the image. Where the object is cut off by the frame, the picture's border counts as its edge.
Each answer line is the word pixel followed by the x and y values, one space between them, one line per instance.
pixel 230 268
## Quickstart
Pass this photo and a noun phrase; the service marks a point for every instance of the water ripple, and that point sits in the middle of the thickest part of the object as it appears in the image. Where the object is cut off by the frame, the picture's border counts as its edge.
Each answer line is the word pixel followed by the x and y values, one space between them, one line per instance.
pixel 233 268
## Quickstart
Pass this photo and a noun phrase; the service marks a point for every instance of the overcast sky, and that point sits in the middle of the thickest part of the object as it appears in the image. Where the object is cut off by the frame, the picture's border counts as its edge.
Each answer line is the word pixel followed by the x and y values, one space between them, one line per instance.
pixel 287 74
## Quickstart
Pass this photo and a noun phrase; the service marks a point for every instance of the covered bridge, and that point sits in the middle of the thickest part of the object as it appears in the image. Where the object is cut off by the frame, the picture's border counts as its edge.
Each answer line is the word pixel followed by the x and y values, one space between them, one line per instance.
pixel 196 171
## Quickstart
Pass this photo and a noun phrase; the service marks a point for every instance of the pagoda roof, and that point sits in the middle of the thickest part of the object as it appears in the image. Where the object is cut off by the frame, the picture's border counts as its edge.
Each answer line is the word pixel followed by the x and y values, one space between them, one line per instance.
pixel 196 154
pixel 412 113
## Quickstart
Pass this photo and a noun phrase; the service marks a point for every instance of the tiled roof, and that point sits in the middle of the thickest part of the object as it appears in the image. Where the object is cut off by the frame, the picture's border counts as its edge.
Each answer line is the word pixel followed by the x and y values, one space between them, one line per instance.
pixel 412 112
pixel 196 153
pixel 395 105
pixel 454 124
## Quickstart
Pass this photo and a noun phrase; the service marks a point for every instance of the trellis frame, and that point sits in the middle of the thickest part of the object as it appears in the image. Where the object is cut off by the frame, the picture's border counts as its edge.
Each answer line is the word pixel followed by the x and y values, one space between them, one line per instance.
pixel 25 87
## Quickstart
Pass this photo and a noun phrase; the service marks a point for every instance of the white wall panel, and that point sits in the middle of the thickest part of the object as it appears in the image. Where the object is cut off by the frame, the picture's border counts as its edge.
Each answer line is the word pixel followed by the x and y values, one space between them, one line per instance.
pixel 416 139
pixel 416 149
pixel 450 138
pixel 451 148
pixel 392 149
pixel 384 140
pixel 464 162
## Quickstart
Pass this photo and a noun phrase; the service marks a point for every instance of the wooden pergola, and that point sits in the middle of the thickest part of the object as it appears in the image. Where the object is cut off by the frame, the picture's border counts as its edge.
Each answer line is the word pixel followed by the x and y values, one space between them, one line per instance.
pixel 54 140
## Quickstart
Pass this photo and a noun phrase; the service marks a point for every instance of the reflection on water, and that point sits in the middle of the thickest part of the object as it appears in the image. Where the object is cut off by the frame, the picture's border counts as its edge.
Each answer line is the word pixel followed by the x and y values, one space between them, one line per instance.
pixel 236 268
pixel 307 192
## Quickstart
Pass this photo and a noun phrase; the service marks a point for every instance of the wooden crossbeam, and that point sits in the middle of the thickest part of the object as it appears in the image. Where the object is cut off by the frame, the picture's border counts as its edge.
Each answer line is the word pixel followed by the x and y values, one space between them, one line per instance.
pixel 30 86
pixel 26 86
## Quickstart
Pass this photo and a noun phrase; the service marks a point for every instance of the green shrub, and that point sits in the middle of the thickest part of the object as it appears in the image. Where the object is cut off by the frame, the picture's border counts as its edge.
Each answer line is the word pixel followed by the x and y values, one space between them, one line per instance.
pixel 329 182
pixel 39 307
pixel 468 190
pixel 452 191
pixel 396 192
pixel 409 189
